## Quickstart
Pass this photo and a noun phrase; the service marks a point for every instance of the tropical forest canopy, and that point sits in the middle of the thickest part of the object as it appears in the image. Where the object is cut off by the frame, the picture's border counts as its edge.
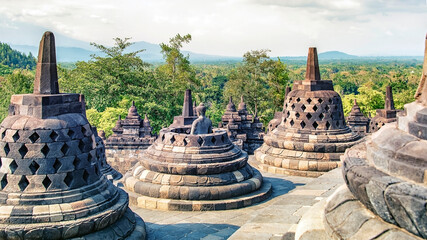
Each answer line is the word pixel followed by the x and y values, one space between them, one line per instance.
pixel 110 82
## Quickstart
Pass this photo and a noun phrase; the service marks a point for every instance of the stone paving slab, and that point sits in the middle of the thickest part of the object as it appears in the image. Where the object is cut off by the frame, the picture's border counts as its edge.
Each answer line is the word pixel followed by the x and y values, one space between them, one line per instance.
pixel 275 218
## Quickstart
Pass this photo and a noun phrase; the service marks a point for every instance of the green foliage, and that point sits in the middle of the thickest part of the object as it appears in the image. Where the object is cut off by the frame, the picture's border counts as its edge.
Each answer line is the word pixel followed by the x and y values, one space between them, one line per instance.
pixel 261 81
pixel 20 81
pixel 15 59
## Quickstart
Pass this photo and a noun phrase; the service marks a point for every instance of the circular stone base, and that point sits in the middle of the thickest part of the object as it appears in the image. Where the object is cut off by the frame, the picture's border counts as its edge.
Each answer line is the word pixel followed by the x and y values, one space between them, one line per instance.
pixel 119 229
pixel 257 196
pixel 346 217
pixel 284 171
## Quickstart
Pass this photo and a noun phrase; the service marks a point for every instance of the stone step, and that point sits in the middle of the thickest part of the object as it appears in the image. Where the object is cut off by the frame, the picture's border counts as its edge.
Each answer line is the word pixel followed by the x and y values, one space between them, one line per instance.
pixel 418 129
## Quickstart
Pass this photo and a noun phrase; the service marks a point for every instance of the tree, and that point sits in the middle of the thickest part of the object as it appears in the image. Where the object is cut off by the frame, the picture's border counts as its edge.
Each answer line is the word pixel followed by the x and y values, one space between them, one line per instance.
pixel 261 81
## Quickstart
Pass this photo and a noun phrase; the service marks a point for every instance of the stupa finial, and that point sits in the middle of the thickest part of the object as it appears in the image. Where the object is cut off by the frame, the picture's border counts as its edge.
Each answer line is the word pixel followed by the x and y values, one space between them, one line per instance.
pixel 46 80
pixel 313 72
pixel 389 102
pixel 187 108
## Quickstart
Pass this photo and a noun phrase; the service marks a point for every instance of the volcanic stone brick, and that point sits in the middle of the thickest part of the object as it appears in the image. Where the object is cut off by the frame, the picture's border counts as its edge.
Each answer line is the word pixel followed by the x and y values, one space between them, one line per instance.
pixel 130 138
pixel 277 119
pixel 358 122
pixel 50 178
pixel 386 115
pixel 387 173
pixel 242 126
pixel 313 127
pixel 214 173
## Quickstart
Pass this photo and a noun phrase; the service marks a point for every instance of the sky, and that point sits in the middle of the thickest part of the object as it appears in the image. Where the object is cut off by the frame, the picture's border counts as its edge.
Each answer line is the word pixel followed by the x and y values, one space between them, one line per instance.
pixel 226 27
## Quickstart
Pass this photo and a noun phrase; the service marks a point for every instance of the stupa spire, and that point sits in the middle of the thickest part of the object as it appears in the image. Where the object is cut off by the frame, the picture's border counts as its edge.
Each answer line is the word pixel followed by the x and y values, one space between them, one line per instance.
pixel 389 102
pixel 46 80
pixel 187 108
pixel 313 72
pixel 421 94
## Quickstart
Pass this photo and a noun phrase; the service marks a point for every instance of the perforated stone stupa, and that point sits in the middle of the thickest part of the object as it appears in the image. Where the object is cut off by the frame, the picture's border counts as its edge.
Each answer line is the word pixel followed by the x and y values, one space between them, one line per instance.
pixel 313 133
pixel 277 119
pixel 357 121
pixel 241 125
pixel 191 168
pixel 51 183
pixel 386 179
pixel 130 138
pixel 386 115
pixel 106 169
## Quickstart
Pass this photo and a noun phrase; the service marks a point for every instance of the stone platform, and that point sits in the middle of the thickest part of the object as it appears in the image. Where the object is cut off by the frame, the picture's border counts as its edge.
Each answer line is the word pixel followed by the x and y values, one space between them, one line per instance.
pixel 277 218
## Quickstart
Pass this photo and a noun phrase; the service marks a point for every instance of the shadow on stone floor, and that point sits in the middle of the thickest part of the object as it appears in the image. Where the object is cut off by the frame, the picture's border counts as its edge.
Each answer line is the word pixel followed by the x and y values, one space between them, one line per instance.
pixel 281 186
pixel 190 231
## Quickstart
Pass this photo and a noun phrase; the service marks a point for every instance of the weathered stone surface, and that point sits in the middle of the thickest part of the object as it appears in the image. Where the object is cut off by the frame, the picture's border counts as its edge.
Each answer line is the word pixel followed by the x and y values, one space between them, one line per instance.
pixel 313 133
pixel 51 186
pixel 357 121
pixel 194 172
pixel 386 115
pixel 130 137
pixel 242 126
pixel 202 125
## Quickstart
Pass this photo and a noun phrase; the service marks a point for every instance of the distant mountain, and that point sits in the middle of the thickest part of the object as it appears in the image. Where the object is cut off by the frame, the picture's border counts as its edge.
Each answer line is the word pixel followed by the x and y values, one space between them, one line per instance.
pixel 330 55
pixel 151 54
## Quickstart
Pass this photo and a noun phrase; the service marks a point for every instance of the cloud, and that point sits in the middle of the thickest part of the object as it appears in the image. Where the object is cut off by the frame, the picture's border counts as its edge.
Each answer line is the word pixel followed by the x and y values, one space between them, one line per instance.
pixel 232 27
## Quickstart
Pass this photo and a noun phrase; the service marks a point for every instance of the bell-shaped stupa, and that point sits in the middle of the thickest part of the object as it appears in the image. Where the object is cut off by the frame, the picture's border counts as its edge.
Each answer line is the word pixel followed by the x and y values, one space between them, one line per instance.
pixel 357 121
pixel 52 186
pixel 313 133
pixel 277 119
pixel 386 180
pixel 131 136
pixel 195 168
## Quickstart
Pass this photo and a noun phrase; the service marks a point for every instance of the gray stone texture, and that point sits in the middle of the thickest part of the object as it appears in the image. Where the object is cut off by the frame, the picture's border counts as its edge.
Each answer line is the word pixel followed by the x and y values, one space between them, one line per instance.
pixel 242 126
pixel 313 133
pixel 51 185
pixel 386 115
pixel 358 122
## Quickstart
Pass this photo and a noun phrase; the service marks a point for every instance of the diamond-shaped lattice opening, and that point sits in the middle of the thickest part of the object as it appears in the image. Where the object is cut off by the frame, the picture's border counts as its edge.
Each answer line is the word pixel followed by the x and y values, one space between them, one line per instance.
pixel 45 150
pixel 23 183
pixel 309 116
pixel 46 182
pixel 292 122
pixel 293 106
pixel 3 181
pixel 213 140
pixel 328 125
pixel 3 134
pixel 336 107
pixel 303 107
pixel 330 100
pixel 320 100
pixel 339 114
pixel 23 150
pixel 64 148
pixel 200 141
pixel 297 115
pixel 68 179
pixel 327 108
pixel 70 133
pixel 163 137
pixel 321 116
pixel 76 162
pixel 309 100
pixel 13 166
pixel 6 148
pixel 15 136
pixel 338 124
pixel 53 135
pixel 298 99
pixel 34 137
pixel 172 140
pixel 222 138
pixel 85 176
pixel 287 114
pixel 84 131
pixel 290 99
pixel 315 108
pixel 184 141
pixel 89 157
pixel 286 105
pixel 302 124
pixel 34 167
pixel 56 165
pixel 315 125
pixel 81 145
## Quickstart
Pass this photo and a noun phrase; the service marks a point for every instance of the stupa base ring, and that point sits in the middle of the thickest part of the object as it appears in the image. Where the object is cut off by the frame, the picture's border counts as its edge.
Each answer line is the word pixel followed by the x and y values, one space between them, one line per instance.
pixel 257 196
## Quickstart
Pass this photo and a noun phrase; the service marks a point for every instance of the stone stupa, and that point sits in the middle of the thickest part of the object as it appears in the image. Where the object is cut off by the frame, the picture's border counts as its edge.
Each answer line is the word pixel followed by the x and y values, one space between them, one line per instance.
pixel 51 183
pixel 357 121
pixel 313 133
pixel 386 115
pixel 277 119
pixel 192 168
pixel 243 126
pixel 187 117
pixel 131 136
pixel 386 180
